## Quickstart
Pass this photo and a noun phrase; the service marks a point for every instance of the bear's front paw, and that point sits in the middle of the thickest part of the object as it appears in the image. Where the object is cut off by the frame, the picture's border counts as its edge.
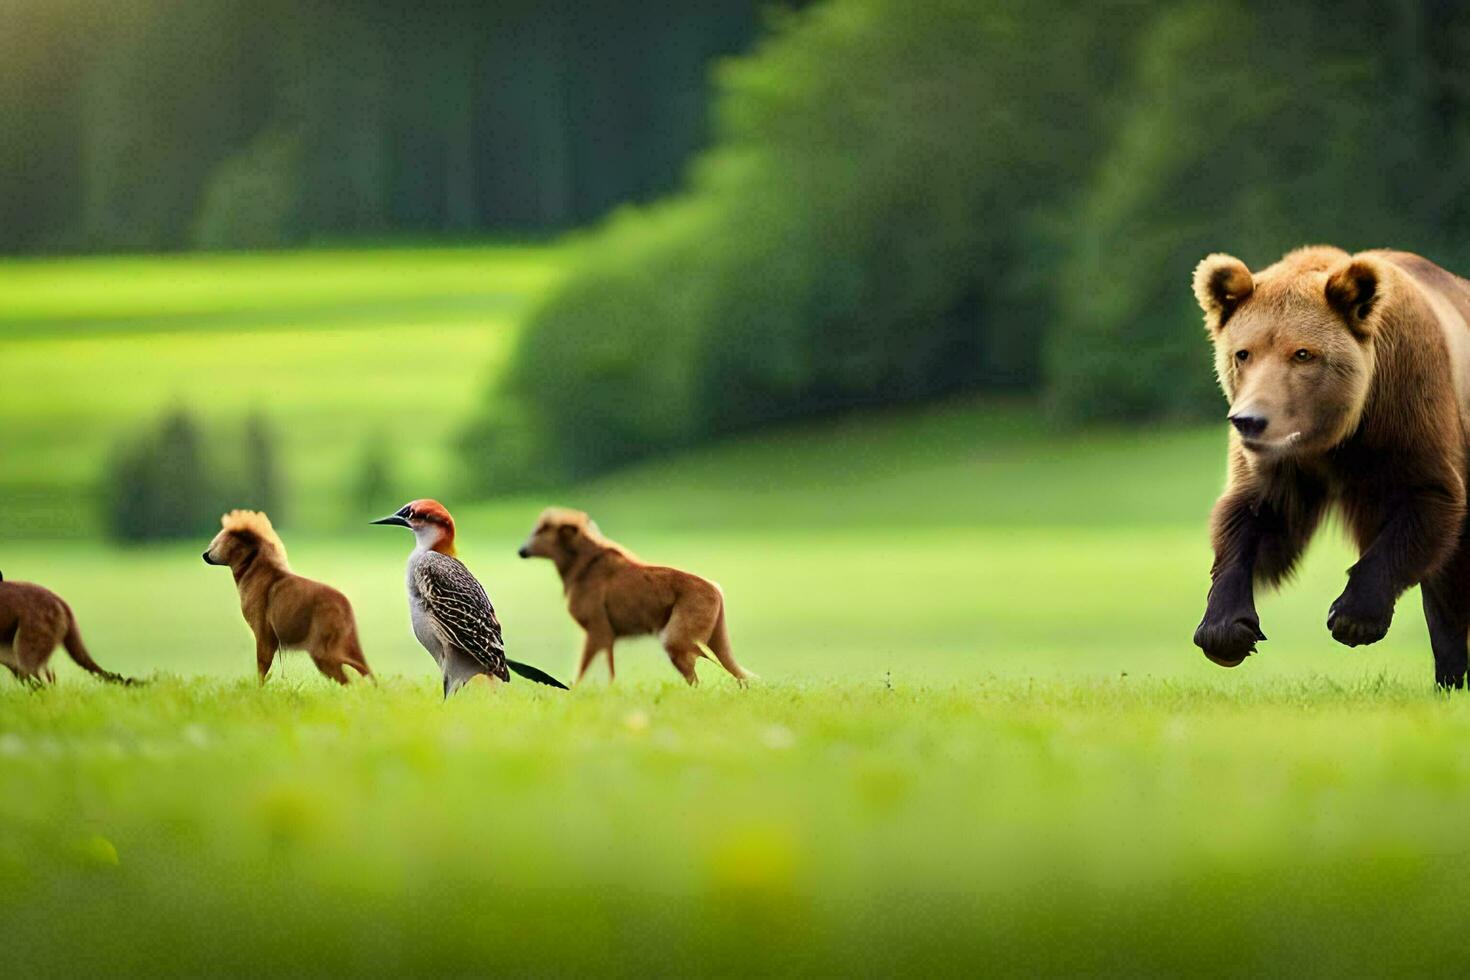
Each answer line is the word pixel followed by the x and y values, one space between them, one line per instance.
pixel 1228 639
pixel 1359 618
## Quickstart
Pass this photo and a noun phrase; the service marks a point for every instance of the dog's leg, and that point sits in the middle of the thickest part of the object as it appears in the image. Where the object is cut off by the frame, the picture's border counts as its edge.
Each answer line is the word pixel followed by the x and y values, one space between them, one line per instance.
pixel 589 650
pixel 342 652
pixel 12 664
pixel 719 644
pixel 331 668
pixel 692 620
pixel 595 641
pixel 265 652
pixel 612 672
pixel 352 656
pixel 33 648
pixel 683 654
pixel 328 654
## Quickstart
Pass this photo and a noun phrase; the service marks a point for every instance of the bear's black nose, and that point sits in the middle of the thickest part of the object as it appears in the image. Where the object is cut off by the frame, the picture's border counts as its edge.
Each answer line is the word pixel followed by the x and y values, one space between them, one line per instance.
pixel 1249 425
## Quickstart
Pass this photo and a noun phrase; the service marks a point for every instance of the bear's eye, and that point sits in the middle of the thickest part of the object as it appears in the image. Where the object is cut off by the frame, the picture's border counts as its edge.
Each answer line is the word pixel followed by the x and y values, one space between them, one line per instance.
pixel 1302 356
pixel 1241 355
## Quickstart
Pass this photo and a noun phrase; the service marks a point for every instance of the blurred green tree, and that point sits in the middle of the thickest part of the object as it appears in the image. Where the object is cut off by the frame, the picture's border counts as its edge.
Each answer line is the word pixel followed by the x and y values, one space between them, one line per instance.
pixel 262 485
pixel 159 124
pixel 164 484
pixel 159 486
pixel 251 200
pixel 1281 136
pixel 906 200
pixel 869 228
pixel 373 487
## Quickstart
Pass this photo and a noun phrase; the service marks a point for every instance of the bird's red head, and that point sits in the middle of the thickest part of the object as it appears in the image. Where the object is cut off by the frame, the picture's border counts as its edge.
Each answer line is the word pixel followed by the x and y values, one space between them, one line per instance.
pixel 430 521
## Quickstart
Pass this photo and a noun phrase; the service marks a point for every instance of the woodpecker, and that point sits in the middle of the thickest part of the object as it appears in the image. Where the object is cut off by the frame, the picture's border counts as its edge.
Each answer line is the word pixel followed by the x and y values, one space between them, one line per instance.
pixel 452 616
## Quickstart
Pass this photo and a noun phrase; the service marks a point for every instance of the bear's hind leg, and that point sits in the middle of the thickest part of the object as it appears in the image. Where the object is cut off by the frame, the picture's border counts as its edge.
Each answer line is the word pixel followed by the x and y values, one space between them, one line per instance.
pixel 1447 613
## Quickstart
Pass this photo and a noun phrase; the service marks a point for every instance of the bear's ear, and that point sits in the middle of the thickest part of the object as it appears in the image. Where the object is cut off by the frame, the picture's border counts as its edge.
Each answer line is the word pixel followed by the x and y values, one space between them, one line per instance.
pixel 1355 290
pixel 1221 283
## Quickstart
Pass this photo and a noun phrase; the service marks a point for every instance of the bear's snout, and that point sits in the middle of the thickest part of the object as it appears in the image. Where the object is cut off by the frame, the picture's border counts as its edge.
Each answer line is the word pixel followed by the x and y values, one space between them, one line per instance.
pixel 1249 426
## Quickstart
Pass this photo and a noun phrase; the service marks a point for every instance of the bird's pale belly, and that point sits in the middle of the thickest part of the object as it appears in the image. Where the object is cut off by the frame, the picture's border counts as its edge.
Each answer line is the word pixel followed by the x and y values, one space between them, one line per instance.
pixel 423 631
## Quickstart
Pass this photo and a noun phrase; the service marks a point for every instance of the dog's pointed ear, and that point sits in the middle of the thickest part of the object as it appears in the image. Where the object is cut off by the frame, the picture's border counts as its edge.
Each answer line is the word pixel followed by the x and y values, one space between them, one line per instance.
pixel 1221 284
pixel 1355 290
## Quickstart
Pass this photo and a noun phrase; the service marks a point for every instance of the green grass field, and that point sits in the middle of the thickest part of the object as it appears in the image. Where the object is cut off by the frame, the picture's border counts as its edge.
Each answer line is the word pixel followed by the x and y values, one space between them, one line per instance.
pixel 833 828
pixel 982 740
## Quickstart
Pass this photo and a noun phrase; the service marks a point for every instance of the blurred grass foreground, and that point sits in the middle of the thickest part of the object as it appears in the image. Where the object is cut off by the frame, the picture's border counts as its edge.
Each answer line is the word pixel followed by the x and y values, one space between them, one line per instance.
pixel 1014 827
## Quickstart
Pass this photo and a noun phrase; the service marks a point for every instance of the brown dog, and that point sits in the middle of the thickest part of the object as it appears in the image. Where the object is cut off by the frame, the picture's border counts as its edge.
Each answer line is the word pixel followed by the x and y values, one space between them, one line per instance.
pixel 612 594
pixel 285 611
pixel 33 621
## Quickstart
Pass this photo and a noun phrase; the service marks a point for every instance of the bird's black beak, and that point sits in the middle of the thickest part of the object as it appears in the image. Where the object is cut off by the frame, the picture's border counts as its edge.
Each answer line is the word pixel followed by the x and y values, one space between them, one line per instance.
pixel 392 519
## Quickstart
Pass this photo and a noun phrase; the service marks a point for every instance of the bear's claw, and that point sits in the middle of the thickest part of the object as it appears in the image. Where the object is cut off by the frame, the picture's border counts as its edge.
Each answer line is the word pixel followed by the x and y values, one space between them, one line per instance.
pixel 1227 641
pixel 1357 619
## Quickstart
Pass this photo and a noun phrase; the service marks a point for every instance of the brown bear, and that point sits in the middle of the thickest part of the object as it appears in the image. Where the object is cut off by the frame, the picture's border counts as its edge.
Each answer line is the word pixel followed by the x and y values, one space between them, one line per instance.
pixel 1348 378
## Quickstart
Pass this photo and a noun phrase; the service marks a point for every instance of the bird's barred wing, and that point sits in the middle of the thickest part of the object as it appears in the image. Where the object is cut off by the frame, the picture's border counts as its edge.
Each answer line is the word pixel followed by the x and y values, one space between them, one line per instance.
pixel 461 611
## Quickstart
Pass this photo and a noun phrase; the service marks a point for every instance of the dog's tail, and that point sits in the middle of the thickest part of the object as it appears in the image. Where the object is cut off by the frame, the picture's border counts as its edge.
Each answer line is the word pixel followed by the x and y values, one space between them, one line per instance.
pixel 78 652
pixel 719 644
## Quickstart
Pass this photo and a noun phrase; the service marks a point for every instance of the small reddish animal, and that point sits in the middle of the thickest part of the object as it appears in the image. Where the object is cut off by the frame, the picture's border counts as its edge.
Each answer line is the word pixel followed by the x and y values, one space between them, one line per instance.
pixel 33 622
pixel 284 610
pixel 612 594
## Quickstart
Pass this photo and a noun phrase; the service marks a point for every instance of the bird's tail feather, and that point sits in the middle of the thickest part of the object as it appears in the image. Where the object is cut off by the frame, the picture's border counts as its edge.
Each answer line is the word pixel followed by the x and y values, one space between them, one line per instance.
pixel 534 674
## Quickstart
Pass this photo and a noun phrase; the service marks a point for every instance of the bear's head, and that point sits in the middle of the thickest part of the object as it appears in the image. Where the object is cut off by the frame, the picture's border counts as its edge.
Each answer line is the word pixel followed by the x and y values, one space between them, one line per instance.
pixel 1294 345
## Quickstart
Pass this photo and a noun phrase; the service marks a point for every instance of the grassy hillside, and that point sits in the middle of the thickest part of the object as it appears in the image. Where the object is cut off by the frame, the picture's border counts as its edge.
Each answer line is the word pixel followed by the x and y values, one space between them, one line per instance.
pixel 336 348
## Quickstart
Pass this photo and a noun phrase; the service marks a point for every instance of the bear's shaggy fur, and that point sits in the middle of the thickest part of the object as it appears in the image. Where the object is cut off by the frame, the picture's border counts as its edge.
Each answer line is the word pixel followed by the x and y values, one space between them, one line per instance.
pixel 1348 378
